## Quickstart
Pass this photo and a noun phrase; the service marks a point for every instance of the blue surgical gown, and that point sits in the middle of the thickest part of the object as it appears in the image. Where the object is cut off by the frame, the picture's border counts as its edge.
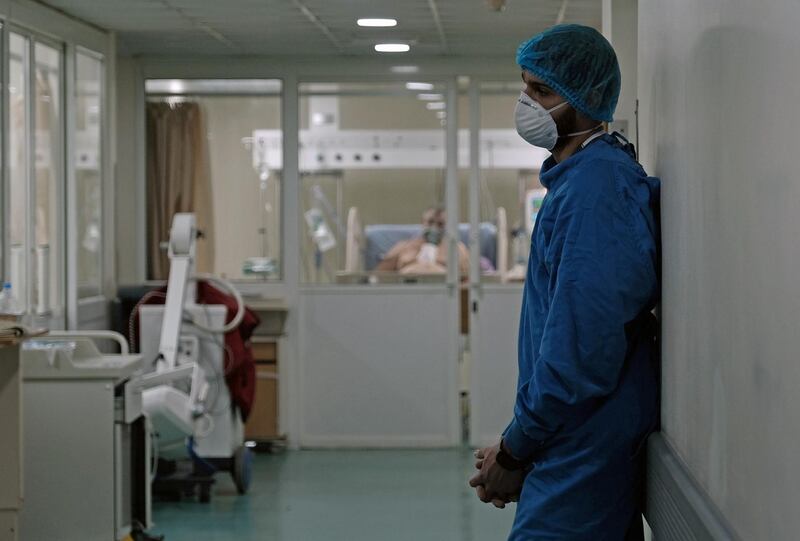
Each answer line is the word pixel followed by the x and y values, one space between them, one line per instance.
pixel 587 395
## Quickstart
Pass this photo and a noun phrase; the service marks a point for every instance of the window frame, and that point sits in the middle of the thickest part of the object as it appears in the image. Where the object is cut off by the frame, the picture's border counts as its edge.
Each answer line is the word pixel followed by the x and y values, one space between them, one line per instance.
pixel 72 200
pixel 56 315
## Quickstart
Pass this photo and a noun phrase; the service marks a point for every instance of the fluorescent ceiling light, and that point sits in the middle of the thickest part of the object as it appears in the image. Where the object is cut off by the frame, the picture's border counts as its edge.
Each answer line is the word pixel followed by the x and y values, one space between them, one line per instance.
pixel 419 86
pixel 430 97
pixel 212 86
pixel 405 69
pixel 377 23
pixel 176 86
pixel 392 48
pixel 435 106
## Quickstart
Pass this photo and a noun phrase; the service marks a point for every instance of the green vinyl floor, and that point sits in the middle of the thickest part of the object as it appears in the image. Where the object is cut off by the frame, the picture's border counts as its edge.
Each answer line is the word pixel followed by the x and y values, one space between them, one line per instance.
pixel 384 495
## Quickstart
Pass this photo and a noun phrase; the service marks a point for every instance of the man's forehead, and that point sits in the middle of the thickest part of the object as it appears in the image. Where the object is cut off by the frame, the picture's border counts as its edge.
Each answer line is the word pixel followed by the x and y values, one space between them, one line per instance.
pixel 529 77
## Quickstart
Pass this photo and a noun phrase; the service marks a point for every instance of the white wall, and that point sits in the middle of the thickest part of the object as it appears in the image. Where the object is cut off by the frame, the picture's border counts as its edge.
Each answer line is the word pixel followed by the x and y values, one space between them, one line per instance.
pixel 129 173
pixel 719 88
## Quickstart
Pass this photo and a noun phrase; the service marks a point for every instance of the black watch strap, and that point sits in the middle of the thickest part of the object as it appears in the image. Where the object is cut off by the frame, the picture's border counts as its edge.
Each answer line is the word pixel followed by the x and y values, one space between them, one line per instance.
pixel 508 462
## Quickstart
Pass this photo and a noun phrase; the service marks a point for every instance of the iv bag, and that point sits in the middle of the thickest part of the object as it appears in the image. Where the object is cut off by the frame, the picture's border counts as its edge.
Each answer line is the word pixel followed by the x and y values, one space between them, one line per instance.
pixel 320 232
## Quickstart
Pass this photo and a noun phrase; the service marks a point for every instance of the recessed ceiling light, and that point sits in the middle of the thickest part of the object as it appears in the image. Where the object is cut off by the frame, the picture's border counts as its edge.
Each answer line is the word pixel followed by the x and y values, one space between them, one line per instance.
pixel 419 86
pixel 430 97
pixel 407 69
pixel 392 48
pixel 377 23
pixel 435 105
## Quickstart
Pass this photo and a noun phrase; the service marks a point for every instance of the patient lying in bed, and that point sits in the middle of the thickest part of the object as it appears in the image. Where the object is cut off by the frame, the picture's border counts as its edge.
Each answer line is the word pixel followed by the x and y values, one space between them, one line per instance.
pixel 426 254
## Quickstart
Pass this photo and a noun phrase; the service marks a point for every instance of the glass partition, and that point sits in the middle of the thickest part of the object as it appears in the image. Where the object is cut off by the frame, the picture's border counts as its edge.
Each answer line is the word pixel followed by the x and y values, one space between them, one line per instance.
pixel 509 188
pixel 36 175
pixel 89 173
pixel 49 174
pixel 372 166
pixel 230 132
pixel 18 147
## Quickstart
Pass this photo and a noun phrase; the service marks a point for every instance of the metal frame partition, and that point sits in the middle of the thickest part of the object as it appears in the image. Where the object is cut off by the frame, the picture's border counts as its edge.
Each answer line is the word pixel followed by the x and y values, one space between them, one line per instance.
pixel 379 363
pixel 295 418
pixel 40 24
pixel 88 312
pixel 494 316
pixel 33 38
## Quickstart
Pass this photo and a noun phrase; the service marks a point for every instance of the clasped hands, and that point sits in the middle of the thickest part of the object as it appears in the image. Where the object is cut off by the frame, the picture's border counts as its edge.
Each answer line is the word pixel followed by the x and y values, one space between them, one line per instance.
pixel 493 483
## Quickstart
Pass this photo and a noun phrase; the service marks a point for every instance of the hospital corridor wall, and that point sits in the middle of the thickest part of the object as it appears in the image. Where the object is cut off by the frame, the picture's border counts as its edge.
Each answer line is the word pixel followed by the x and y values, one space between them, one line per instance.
pixel 718 90
pixel 717 86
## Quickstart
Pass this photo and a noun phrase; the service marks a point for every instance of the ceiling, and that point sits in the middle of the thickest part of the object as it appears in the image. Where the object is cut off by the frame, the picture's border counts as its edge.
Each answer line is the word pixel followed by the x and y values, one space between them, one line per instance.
pixel 323 27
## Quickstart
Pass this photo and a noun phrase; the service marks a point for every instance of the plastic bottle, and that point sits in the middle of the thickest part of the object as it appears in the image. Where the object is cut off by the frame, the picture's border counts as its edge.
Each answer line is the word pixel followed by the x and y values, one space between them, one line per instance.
pixel 5 297
pixel 9 309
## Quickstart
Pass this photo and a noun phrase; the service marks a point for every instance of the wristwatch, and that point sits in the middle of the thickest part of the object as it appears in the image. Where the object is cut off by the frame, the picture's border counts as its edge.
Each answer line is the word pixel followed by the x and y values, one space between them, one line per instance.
pixel 508 462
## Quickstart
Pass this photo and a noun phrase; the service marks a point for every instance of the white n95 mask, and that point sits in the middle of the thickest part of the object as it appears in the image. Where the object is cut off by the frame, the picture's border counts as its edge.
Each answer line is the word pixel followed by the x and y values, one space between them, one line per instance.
pixel 534 123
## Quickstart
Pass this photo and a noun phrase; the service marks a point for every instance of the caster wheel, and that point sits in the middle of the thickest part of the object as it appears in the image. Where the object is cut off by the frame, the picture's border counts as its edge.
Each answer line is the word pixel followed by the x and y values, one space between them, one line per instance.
pixel 242 471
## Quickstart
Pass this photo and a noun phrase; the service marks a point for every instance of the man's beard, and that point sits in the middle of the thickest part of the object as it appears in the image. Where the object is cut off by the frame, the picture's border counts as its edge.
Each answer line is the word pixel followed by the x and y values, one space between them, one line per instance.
pixel 566 123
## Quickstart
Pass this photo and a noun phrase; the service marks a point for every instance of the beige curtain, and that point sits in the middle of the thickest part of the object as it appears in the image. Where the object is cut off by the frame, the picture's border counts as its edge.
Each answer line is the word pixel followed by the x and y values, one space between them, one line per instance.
pixel 178 180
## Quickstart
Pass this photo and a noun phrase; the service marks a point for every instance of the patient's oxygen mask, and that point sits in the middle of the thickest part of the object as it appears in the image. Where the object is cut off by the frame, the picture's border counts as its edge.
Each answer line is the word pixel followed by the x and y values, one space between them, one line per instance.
pixel 433 235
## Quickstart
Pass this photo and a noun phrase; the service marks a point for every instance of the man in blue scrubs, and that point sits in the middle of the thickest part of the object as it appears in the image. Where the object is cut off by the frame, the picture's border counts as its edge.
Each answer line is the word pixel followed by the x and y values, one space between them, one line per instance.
pixel 587 396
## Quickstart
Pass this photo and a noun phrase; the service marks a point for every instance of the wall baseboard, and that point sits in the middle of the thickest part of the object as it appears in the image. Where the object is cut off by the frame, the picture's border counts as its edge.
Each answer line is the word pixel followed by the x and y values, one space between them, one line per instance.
pixel 677 507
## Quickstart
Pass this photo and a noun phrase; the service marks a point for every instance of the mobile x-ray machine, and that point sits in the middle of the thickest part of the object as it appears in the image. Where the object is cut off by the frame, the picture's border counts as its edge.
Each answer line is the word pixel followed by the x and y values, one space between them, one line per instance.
pixel 197 430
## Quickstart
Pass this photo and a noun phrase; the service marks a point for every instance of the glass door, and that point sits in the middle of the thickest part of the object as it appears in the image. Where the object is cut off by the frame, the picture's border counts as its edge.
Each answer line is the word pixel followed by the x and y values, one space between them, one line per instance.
pixel 504 193
pixel 382 258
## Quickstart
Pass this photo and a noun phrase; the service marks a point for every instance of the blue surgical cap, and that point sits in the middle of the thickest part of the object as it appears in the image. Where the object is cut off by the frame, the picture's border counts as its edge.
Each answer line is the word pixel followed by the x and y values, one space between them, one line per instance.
pixel 579 64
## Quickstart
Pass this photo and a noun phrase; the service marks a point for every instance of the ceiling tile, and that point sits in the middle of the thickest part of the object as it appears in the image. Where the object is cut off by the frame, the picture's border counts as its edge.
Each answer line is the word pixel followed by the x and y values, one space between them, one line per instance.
pixel 278 27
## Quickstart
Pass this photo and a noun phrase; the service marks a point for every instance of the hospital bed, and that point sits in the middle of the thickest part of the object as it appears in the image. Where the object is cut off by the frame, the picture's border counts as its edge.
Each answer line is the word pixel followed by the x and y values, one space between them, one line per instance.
pixel 365 247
